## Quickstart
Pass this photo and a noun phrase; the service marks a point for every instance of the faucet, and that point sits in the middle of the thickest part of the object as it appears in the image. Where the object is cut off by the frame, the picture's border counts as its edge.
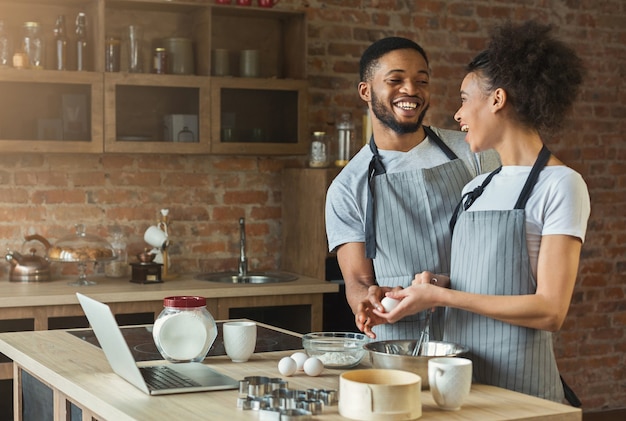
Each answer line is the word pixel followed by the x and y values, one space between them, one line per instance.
pixel 243 260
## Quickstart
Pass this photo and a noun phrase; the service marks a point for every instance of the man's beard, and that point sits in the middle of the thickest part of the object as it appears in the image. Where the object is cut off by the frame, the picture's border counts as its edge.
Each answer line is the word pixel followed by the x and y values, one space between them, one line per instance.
pixel 388 119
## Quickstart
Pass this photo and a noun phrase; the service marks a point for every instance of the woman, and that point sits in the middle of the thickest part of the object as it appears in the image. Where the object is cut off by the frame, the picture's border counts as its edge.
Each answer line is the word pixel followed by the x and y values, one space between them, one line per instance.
pixel 518 235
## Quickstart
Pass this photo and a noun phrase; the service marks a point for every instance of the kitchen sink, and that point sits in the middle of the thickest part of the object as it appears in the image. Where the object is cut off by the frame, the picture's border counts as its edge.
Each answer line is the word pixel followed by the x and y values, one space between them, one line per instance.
pixel 250 278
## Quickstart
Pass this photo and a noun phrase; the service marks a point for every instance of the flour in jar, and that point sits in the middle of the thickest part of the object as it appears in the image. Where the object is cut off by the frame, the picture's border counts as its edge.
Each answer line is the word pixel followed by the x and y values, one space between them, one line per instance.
pixel 183 336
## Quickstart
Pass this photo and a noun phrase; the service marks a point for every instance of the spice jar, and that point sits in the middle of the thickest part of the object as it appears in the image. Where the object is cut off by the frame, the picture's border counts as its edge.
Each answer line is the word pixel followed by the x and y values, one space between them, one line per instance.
pixel 112 54
pixel 159 61
pixel 185 330
pixel 318 153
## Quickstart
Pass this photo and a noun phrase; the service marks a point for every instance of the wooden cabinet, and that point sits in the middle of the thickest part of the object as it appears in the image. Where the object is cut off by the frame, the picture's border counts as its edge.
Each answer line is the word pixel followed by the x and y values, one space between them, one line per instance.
pixel 144 112
pixel 304 244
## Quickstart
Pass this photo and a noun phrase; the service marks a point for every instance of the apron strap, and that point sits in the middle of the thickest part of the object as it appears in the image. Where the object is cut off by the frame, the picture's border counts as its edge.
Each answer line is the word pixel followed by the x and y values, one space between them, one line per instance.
pixel 542 160
pixel 470 197
pixel 570 396
pixel 444 148
pixel 376 167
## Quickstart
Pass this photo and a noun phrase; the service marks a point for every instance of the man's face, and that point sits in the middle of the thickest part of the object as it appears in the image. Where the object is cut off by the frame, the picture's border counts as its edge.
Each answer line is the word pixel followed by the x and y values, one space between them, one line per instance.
pixel 399 90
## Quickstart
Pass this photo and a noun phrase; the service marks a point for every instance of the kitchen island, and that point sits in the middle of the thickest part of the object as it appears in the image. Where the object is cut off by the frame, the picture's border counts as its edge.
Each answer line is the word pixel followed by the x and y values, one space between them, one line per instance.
pixel 78 372
pixel 36 304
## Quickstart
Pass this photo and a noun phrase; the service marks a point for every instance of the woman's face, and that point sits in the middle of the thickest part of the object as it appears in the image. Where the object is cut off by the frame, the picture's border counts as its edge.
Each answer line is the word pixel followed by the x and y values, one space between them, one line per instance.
pixel 475 116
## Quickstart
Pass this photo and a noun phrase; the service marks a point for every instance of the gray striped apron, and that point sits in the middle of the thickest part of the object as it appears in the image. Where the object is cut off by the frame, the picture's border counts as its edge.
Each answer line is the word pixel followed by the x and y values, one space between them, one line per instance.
pixel 490 256
pixel 412 210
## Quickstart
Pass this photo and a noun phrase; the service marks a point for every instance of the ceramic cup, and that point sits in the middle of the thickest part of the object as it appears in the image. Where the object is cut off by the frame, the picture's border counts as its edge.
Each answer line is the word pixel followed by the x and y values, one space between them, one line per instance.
pixel 180 58
pixel 267 3
pixel 450 381
pixel 221 62
pixel 249 63
pixel 155 237
pixel 239 340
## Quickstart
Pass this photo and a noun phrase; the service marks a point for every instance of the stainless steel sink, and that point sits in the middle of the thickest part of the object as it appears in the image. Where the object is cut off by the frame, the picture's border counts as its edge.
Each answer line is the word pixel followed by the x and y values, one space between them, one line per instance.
pixel 249 278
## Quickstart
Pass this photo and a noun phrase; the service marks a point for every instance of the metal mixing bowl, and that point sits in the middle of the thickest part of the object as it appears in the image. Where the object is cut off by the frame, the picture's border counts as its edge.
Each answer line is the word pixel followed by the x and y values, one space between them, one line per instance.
pixel 396 354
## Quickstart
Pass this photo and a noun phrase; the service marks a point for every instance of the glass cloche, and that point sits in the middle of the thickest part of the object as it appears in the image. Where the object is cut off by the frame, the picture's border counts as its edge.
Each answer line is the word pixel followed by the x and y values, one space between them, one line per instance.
pixel 81 248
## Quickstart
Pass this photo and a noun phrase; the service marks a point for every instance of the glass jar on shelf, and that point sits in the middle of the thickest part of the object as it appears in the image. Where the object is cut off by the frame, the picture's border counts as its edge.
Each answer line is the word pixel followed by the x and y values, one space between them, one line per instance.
pixel 5 46
pixel 118 268
pixel 33 45
pixel 318 152
pixel 60 44
pixel 345 140
pixel 81 42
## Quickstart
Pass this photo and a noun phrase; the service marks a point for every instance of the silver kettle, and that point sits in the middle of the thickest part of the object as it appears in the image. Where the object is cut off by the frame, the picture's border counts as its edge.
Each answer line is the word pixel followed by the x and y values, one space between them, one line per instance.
pixel 29 267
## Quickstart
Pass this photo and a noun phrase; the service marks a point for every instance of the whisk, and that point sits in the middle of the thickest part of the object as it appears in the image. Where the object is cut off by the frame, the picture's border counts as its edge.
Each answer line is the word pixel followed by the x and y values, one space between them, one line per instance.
pixel 424 336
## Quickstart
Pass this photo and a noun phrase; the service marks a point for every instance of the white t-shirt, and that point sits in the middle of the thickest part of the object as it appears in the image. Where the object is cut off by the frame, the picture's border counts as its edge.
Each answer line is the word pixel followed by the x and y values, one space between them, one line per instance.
pixel 558 204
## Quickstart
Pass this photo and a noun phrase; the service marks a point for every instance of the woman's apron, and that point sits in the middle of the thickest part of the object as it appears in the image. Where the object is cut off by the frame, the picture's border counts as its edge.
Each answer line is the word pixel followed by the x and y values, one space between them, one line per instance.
pixel 410 234
pixel 490 256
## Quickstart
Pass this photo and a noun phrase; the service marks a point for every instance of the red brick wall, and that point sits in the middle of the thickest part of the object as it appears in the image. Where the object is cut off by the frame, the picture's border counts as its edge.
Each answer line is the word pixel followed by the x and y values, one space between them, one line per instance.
pixel 206 195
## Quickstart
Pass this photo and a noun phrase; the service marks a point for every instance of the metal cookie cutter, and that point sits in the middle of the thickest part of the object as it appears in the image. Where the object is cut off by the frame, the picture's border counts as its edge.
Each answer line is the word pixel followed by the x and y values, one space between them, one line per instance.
pixel 273 414
pixel 257 385
pixel 250 403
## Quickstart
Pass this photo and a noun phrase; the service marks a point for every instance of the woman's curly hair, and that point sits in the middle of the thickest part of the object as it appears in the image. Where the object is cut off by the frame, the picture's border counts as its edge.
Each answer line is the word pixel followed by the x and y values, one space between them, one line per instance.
pixel 540 74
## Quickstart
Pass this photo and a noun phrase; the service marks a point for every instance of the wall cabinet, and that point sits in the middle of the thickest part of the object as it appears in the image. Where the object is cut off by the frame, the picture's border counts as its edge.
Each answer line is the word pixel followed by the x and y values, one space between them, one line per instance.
pixel 143 112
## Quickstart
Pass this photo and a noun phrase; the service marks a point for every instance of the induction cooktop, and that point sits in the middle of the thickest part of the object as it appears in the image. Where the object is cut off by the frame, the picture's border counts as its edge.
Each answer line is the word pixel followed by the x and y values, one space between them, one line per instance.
pixel 141 343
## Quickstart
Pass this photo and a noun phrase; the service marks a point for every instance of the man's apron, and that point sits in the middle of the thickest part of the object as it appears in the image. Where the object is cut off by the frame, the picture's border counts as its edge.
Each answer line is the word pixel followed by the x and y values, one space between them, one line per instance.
pixel 490 256
pixel 411 211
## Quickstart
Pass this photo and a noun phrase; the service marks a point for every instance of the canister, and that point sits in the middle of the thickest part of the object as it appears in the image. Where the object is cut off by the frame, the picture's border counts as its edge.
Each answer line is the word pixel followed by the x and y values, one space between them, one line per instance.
pixel 180 56
pixel 184 330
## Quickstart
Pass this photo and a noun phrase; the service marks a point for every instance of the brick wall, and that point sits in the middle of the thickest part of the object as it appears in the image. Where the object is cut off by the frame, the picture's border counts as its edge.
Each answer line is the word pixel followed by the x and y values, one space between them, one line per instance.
pixel 206 195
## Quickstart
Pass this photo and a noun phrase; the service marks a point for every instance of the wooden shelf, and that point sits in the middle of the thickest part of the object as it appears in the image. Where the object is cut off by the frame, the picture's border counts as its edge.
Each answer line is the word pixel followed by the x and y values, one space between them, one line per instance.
pixel 124 112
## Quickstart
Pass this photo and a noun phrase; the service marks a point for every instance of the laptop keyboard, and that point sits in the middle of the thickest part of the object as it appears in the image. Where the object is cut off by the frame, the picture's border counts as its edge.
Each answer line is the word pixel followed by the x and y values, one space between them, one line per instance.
pixel 163 377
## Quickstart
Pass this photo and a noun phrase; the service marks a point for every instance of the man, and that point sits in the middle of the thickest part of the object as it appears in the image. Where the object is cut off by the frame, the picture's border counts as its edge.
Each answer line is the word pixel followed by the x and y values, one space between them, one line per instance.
pixel 387 212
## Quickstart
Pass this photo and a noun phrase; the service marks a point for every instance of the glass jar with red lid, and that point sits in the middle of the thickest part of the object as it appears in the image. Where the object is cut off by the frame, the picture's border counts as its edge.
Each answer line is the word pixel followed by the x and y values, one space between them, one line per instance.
pixel 184 331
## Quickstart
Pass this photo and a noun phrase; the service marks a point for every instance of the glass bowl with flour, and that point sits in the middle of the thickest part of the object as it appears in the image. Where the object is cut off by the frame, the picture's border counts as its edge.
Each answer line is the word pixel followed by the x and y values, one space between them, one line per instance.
pixel 336 349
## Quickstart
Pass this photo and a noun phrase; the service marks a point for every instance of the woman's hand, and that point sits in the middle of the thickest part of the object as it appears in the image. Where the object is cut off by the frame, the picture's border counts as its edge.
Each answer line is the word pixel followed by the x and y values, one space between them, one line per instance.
pixel 421 295
pixel 440 279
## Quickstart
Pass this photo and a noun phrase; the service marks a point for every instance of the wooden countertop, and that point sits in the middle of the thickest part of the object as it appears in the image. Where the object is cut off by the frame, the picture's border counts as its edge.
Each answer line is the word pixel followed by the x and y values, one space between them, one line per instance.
pixel 110 290
pixel 80 371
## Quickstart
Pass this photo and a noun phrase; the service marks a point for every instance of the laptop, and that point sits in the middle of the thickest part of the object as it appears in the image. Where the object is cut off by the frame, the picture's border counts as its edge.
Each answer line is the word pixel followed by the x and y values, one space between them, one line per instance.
pixel 156 379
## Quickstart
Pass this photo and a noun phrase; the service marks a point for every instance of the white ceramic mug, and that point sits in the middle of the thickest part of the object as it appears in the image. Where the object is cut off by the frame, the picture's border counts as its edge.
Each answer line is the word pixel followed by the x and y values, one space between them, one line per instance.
pixel 239 340
pixel 156 237
pixel 450 381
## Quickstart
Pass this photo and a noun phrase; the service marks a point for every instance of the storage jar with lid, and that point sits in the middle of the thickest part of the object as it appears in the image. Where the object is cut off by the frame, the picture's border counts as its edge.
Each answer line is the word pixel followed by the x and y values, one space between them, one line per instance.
pixel 185 330
pixel 318 153
pixel 33 44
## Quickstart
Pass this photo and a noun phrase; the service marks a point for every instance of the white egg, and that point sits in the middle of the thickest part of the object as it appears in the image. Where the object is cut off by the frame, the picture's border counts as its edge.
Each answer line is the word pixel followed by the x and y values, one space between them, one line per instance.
pixel 313 366
pixel 300 358
pixel 287 366
pixel 389 303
